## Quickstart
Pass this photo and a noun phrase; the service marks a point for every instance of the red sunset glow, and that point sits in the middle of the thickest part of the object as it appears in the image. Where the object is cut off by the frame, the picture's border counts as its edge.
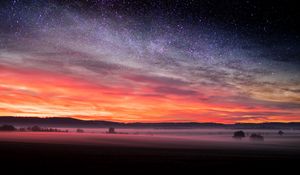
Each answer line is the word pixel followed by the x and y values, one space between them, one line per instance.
pixel 27 92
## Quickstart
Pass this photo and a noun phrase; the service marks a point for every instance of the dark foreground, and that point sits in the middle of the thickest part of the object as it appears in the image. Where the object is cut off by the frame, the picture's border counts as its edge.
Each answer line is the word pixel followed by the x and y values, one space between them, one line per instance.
pixel 41 158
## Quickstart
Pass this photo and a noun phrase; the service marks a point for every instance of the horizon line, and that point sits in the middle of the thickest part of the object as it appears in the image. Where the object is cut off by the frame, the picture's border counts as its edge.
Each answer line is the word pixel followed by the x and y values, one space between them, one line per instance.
pixel 65 117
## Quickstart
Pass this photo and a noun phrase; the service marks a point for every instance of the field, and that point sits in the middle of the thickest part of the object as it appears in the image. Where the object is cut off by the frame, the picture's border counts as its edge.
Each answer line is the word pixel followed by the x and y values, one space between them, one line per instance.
pixel 148 150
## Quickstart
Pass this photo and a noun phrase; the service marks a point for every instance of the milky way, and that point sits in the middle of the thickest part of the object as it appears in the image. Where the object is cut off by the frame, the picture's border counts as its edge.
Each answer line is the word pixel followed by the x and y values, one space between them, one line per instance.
pixel 147 61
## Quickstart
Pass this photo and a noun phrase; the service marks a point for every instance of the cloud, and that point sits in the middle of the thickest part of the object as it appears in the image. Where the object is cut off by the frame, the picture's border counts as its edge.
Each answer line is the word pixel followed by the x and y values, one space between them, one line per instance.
pixel 175 91
pixel 157 80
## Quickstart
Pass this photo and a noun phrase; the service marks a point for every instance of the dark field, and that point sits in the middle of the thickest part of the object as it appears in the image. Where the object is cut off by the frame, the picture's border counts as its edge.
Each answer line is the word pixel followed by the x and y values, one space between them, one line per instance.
pixel 66 157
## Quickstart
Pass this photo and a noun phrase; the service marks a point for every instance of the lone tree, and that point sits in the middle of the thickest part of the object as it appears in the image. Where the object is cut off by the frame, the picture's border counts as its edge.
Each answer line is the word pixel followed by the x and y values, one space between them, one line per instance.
pixel 80 130
pixel 280 132
pixel 256 137
pixel 7 128
pixel 238 134
pixel 111 130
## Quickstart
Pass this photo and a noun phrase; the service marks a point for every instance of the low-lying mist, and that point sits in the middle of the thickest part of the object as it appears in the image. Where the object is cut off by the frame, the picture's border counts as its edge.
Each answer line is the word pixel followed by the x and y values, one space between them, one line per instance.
pixel 162 138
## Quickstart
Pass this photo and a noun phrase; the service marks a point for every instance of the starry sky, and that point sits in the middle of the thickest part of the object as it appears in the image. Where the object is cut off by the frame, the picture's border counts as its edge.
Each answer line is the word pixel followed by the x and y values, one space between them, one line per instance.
pixel 151 61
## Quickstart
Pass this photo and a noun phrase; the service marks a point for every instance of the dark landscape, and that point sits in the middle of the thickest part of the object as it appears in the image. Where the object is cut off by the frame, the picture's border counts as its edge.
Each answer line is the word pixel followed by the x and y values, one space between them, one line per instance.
pixel 59 158
pixel 72 122
pixel 142 149
pixel 154 87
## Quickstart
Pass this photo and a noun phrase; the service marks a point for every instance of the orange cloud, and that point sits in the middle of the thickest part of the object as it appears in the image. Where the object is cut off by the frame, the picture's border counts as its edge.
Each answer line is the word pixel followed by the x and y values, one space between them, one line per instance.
pixel 25 92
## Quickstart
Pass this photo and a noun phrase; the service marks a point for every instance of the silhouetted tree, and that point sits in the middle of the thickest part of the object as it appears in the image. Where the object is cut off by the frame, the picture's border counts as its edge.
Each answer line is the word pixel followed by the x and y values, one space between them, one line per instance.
pixel 80 130
pixel 111 130
pixel 239 134
pixel 255 136
pixel 36 128
pixel 280 132
pixel 7 128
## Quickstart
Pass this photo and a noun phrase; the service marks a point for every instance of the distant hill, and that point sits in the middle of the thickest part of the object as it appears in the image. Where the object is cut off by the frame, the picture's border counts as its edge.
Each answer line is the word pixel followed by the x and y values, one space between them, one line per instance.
pixel 56 121
pixel 72 122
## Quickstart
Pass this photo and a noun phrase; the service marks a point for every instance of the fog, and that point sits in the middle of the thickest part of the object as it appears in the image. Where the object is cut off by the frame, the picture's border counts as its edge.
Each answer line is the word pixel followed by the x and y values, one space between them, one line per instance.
pixel 163 138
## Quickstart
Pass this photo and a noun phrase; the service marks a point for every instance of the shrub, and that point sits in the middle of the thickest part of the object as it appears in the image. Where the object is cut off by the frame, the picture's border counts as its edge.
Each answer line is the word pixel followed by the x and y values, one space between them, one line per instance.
pixel 239 134
pixel 7 128
pixel 255 136
pixel 80 130
pixel 36 128
pixel 280 132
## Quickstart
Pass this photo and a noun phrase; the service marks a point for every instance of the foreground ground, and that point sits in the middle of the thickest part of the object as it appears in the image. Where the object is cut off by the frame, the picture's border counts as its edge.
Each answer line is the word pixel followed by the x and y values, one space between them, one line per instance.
pixel 54 153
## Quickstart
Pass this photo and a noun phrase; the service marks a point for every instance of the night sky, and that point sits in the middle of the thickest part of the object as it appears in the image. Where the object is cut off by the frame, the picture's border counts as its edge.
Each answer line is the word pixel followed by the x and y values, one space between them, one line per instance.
pixel 151 61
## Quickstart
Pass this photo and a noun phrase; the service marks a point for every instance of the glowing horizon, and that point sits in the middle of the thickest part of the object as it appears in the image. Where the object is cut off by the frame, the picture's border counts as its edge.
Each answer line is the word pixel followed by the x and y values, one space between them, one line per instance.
pixel 39 93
